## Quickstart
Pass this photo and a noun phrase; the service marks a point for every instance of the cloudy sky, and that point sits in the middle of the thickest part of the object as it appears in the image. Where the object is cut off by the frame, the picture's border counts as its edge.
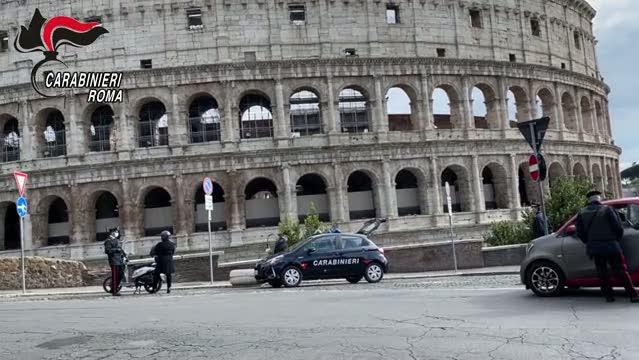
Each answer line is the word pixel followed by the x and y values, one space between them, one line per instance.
pixel 617 29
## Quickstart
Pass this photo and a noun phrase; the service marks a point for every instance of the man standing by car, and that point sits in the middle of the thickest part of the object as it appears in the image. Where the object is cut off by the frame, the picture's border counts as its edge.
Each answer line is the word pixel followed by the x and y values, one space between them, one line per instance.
pixel 115 253
pixel 163 252
pixel 541 222
pixel 601 229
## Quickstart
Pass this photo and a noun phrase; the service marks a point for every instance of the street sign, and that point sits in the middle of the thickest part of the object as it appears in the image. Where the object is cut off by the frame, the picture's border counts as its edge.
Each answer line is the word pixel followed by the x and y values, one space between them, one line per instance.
pixel 208 202
pixel 21 181
pixel 533 167
pixel 207 185
pixel 539 127
pixel 22 207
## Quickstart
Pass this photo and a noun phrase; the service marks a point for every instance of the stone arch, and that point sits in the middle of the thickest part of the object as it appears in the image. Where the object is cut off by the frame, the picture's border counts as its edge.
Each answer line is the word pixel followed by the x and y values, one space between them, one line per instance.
pixel 153 124
pixel 555 172
pixel 586 115
pixel 570 112
pixel 261 202
pixel 486 113
pixel 517 103
pixel 218 220
pixel 610 181
pixel 9 226
pixel 597 177
pixel 458 179
pixel 353 106
pixel 106 213
pixel 410 186
pixel 58 221
pixel 363 202
pixel 528 189
pixel 50 132
pixel 10 138
pixel 578 170
pixel 255 115
pixel 599 118
pixel 101 124
pixel 400 108
pixel 447 116
pixel 495 186
pixel 311 190
pixel 203 118
pixel 304 112
pixel 546 101
pixel 157 205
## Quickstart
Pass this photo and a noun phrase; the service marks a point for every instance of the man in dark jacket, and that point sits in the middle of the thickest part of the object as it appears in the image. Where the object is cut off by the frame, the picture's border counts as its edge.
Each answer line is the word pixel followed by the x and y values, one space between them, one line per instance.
pixel 601 229
pixel 541 221
pixel 115 253
pixel 163 252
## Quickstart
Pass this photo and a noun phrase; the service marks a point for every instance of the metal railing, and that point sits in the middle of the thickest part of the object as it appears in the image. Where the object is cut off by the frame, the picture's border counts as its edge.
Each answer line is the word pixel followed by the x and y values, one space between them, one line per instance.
pixel 200 132
pixel 100 138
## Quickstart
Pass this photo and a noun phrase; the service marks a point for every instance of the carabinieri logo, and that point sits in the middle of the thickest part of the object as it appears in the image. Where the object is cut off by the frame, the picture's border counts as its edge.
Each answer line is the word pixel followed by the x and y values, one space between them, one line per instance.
pixel 47 35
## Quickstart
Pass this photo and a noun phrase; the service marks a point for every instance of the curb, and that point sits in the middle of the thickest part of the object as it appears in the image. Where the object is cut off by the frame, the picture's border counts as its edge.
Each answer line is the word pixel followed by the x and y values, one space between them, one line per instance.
pixel 388 277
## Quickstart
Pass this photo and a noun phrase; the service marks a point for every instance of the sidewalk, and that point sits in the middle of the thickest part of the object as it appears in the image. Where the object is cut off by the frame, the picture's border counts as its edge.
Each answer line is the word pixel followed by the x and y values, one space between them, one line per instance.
pixel 90 291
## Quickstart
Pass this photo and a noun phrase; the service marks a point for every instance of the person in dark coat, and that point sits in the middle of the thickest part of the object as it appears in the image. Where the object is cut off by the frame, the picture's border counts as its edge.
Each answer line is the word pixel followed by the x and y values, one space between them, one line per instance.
pixel 116 260
pixel 600 227
pixel 163 252
pixel 541 221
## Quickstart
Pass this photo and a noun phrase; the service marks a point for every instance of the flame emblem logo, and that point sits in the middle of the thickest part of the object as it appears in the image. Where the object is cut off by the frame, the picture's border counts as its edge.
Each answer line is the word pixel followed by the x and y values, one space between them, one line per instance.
pixel 47 35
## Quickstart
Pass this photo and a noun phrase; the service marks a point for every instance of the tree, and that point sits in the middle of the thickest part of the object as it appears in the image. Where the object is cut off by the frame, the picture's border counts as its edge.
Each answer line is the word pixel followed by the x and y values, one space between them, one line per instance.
pixel 567 197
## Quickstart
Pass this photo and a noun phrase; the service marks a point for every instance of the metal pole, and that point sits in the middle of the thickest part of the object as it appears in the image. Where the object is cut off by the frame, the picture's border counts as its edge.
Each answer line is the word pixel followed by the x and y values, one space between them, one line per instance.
pixel 541 186
pixel 210 249
pixel 24 278
pixel 452 239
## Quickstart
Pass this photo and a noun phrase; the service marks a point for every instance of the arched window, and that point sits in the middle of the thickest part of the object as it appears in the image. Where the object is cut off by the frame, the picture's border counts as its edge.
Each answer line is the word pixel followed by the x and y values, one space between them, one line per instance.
pixel 54 134
pixel 204 120
pixel 457 178
pixel 353 112
pixel 218 221
pixel 407 192
pixel 10 235
pixel 305 113
pixel 361 199
pixel 100 129
pixel 311 193
pixel 256 118
pixel 570 112
pixel 58 221
pixel 154 125
pixel 399 110
pixel 106 215
pixel 10 139
pixel 158 212
pixel 262 207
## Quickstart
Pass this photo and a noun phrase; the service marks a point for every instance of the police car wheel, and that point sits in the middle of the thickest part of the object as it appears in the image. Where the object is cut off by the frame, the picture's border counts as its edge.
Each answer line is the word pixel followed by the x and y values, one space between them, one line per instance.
pixel 275 283
pixel 374 273
pixel 545 279
pixel 291 276
pixel 353 279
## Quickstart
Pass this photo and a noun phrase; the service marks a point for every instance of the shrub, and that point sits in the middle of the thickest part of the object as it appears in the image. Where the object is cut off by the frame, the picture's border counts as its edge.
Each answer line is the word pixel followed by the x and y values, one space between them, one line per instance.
pixel 294 231
pixel 508 233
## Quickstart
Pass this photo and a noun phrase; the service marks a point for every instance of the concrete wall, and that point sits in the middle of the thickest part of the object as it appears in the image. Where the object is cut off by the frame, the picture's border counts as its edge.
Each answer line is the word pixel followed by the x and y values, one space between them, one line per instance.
pixel 435 256
pixel 504 255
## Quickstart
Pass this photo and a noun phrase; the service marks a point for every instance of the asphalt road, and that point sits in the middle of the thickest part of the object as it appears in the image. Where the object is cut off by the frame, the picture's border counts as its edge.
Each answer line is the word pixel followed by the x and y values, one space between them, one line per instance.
pixel 444 318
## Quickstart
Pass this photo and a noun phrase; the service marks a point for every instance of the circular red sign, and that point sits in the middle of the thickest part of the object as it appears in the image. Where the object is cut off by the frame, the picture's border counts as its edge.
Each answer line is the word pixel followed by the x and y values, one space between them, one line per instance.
pixel 533 167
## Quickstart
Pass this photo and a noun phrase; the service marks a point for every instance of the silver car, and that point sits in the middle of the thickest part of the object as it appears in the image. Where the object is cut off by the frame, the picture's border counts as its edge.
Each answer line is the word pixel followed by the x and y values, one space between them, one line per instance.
pixel 559 260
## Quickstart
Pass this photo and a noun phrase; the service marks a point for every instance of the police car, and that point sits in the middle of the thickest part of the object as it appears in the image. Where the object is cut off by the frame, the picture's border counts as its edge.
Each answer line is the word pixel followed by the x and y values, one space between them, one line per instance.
pixel 326 256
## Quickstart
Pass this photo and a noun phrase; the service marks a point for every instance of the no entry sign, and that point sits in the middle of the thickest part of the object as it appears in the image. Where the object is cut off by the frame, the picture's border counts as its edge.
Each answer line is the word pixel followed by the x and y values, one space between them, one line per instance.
pixel 533 167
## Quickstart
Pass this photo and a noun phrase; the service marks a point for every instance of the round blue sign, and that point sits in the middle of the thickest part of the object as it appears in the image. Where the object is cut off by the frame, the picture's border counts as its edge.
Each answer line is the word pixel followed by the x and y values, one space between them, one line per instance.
pixel 22 207
pixel 207 185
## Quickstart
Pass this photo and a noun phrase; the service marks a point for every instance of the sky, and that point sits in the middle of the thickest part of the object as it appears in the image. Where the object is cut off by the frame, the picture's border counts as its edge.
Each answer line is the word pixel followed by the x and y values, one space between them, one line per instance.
pixel 617 30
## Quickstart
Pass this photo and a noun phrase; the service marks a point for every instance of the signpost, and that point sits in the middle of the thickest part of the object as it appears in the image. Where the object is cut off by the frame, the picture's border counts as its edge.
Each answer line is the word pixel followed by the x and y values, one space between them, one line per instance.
pixel 207 186
pixel 450 222
pixel 23 210
pixel 534 132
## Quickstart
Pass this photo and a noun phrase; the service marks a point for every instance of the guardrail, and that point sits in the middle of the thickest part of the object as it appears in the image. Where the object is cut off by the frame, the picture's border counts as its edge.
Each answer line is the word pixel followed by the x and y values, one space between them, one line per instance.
pixel 176 257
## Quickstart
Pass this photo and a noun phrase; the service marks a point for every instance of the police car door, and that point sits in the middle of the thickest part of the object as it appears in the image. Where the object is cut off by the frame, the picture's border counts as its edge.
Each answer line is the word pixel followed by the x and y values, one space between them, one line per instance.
pixel 630 241
pixel 351 255
pixel 322 256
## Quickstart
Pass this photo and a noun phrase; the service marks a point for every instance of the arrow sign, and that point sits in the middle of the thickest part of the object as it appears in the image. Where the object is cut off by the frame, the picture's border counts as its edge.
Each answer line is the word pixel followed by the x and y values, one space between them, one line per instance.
pixel 21 181
pixel 207 186
pixel 22 207
pixel 539 127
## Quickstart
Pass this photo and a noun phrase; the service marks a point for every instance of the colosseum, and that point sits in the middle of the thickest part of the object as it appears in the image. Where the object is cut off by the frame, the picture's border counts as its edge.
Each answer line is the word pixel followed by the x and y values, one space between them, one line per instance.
pixel 353 108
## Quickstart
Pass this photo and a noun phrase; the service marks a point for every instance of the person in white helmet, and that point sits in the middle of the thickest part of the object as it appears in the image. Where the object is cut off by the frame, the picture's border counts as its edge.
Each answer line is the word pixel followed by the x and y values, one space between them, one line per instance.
pixel 163 252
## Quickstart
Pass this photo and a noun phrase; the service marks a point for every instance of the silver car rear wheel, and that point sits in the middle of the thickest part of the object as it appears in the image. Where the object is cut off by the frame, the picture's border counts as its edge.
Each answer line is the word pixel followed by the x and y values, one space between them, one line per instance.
pixel 545 279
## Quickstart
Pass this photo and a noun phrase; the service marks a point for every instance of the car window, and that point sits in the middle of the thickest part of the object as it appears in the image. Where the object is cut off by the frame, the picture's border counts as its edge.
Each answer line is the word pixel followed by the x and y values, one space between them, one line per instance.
pixel 322 244
pixel 631 214
pixel 352 242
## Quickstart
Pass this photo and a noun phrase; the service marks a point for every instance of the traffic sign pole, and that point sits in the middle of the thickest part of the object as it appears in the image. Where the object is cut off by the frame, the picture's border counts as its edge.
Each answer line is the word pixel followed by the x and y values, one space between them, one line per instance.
pixel 24 277
pixel 210 249
pixel 541 185
pixel 207 186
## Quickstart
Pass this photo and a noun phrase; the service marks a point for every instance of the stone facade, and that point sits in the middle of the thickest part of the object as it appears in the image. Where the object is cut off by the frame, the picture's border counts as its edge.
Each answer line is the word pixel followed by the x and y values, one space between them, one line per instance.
pixel 250 52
